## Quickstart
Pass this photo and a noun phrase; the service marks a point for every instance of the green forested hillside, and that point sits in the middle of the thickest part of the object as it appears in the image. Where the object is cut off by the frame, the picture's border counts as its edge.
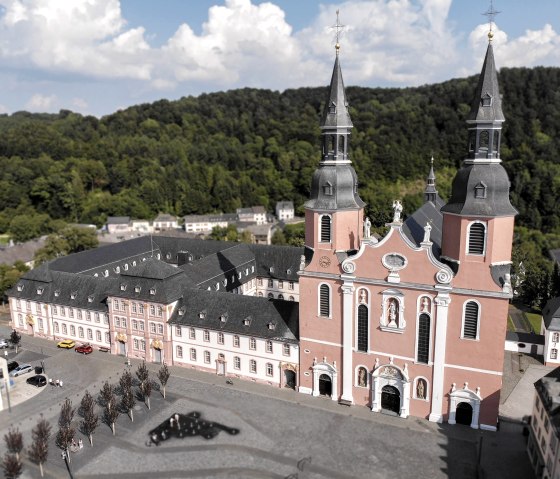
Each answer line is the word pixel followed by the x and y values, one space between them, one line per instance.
pixel 220 151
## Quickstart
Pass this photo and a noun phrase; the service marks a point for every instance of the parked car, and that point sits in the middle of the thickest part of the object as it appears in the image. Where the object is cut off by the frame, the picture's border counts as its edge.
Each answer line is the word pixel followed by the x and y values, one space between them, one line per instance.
pixel 84 349
pixel 38 381
pixel 4 343
pixel 66 344
pixel 22 369
pixel 12 365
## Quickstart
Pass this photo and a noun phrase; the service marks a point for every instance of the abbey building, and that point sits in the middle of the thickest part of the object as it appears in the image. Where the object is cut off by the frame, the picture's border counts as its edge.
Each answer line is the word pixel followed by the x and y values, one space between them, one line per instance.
pixel 412 323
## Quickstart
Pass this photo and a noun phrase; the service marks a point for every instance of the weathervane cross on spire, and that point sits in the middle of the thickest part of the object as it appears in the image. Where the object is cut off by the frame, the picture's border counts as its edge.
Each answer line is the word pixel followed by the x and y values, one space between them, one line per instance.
pixel 491 14
pixel 338 28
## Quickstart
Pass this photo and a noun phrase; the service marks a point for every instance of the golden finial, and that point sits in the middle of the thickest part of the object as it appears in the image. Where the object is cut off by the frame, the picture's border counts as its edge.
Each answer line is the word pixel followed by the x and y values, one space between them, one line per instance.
pixel 490 13
pixel 338 27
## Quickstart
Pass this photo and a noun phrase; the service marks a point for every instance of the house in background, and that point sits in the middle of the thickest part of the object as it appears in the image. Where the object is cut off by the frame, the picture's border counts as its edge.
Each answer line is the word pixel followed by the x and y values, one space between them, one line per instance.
pixel 24 252
pixel 254 214
pixel 164 222
pixel 550 329
pixel 206 223
pixel 118 224
pixel 285 210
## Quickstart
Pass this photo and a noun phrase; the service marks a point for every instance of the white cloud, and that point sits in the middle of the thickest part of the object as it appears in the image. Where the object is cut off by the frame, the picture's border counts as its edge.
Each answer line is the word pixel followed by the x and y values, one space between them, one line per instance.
pixel 3 109
pixel 41 103
pixel 80 104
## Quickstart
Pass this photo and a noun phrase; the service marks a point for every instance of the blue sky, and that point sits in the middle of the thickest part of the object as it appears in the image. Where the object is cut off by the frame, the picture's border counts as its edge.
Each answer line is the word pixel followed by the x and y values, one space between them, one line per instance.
pixel 97 56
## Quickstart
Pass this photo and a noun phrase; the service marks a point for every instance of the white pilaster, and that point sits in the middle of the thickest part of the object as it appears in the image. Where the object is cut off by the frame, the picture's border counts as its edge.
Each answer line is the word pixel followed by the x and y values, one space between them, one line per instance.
pixel 442 301
pixel 347 330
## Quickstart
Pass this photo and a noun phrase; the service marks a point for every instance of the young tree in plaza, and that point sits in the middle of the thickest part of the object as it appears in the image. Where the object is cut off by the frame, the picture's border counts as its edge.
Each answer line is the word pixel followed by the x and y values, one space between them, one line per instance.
pixel 14 441
pixel 107 393
pixel 15 339
pixel 39 449
pixel 111 413
pixel 90 419
pixel 128 402
pixel 142 373
pixel 163 376
pixel 12 466
pixel 125 381
pixel 146 389
pixel 66 432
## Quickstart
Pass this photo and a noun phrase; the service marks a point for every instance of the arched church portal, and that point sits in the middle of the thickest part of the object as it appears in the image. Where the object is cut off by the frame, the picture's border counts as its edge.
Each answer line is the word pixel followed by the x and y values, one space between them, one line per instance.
pixel 390 390
pixel 464 404
pixel 325 380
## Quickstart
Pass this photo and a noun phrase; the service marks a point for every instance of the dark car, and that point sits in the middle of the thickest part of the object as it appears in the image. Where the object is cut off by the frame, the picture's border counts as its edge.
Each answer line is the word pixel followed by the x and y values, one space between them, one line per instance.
pixel 84 349
pixel 38 381
pixel 12 365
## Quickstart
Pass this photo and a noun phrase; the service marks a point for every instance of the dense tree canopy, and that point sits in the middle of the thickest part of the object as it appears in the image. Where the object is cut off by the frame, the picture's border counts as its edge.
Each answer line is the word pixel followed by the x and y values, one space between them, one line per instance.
pixel 245 147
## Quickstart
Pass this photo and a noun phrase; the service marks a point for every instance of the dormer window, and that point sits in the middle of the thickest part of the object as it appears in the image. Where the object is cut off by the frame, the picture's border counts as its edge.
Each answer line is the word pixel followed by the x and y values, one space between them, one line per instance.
pixel 217 286
pixel 332 108
pixel 123 287
pixel 73 294
pixel 106 273
pixel 224 317
pixel 57 292
pixel 288 271
pixel 328 189
pixel 271 326
pixel 137 289
pixel 247 321
pixel 90 298
pixel 168 256
pixel 126 267
pixel 39 291
pixel 152 291
pixel 118 269
pixel 480 190
pixel 486 100
pixel 20 287
pixel 202 315
pixel 181 311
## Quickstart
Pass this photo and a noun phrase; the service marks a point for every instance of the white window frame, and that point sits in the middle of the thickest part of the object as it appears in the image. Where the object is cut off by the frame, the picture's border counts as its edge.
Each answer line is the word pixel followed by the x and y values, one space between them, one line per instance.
pixel 469 237
pixel 321 230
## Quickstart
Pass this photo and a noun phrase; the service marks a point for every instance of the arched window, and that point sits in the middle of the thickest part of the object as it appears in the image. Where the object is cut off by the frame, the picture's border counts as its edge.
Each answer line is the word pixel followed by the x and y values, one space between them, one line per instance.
pixel 477 238
pixel 324 301
pixel 270 296
pixel 325 229
pixel 362 328
pixel 341 143
pixel 484 139
pixel 470 320
pixel 423 348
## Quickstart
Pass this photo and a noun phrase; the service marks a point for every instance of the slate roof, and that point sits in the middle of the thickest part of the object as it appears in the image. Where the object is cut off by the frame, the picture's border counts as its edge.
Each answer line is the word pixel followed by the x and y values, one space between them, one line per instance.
pixel 170 246
pixel 520 337
pixel 152 269
pixel 551 314
pixel 118 220
pixel 548 388
pixel 21 252
pixel 285 205
pixel 165 217
pixel 336 96
pixel 413 226
pixel 284 261
pixel 261 312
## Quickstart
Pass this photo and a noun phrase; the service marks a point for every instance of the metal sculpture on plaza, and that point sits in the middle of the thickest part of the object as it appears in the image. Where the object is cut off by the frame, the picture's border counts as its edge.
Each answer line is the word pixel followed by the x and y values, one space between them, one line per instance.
pixel 187 425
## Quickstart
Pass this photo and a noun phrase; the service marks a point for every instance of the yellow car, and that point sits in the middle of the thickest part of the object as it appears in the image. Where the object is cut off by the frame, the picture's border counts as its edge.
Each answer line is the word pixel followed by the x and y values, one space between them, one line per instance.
pixel 67 344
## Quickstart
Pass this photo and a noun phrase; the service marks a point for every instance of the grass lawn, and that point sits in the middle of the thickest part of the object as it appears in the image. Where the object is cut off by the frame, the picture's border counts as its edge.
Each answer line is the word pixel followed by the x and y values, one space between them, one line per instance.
pixel 510 325
pixel 4 239
pixel 535 320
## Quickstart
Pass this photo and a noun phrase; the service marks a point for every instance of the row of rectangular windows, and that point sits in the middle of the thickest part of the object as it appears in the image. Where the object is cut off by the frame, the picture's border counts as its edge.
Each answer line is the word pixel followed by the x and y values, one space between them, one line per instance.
pixel 220 338
pixel 280 283
pixel 63 329
pixel 61 310
pixel 236 360
pixel 137 308
pixel 138 325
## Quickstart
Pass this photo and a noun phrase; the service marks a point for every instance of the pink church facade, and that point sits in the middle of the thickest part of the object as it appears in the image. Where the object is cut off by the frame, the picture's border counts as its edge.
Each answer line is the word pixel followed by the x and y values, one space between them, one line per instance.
pixel 412 323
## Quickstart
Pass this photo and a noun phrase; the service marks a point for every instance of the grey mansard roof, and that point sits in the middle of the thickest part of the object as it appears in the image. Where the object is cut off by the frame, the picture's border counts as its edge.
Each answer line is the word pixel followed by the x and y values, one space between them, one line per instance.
pixel 414 225
pixel 551 314
pixel 343 180
pixel 493 178
pixel 283 315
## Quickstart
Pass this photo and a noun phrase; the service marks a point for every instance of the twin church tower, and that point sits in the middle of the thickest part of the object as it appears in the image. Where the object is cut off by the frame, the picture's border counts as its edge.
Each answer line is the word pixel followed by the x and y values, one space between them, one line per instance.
pixel 412 323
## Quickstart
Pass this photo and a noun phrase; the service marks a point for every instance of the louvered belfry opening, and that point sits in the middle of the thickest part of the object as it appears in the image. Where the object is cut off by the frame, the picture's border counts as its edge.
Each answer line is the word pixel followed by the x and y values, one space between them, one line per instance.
pixel 471 320
pixel 477 234
pixel 325 229
pixel 423 353
pixel 362 328
pixel 324 303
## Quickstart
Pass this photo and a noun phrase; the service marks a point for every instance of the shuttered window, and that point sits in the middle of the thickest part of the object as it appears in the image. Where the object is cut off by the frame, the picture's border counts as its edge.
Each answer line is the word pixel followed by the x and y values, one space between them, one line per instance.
pixel 423 352
pixel 362 328
pixel 324 301
pixel 477 237
pixel 325 229
pixel 470 327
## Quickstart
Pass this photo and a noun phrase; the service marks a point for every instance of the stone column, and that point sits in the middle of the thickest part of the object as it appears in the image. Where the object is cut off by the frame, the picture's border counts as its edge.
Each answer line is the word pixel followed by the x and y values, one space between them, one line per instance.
pixel 347 330
pixel 442 301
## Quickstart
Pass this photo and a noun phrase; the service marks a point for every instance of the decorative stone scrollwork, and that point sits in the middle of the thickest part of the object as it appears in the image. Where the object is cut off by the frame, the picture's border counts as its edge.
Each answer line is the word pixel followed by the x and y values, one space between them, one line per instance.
pixel 349 267
pixel 157 344
pixel 394 261
pixel 443 276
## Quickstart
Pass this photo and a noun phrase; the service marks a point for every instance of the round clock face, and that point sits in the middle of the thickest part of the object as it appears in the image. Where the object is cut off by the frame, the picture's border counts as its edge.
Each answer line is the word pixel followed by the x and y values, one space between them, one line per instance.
pixel 324 261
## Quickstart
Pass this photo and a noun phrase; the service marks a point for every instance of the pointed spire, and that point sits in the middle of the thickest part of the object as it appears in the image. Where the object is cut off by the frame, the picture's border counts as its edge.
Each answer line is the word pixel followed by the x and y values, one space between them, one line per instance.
pixel 487 103
pixel 335 114
pixel 431 193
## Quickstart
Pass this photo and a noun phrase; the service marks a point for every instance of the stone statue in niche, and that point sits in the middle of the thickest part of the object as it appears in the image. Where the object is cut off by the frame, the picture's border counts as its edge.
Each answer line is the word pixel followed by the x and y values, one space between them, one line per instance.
pixel 362 377
pixel 425 305
pixel 421 389
pixel 397 207
pixel 367 228
pixel 427 231
pixel 393 311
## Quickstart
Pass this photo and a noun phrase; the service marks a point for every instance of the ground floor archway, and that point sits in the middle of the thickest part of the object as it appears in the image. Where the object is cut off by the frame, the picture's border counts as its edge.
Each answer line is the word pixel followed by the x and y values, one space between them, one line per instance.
pixel 289 379
pixel 463 414
pixel 325 385
pixel 391 399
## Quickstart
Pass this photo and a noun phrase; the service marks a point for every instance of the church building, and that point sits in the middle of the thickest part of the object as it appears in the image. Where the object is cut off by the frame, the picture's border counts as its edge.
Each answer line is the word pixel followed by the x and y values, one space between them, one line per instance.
pixel 411 324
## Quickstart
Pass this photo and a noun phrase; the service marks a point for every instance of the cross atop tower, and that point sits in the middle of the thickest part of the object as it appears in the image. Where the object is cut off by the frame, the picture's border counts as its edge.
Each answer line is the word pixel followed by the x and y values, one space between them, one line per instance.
pixel 491 14
pixel 338 28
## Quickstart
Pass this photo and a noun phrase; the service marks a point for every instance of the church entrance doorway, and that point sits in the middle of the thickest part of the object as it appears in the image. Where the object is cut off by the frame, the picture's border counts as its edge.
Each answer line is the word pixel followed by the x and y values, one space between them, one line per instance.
pixel 122 348
pixel 157 356
pixel 325 385
pixel 289 379
pixel 391 399
pixel 463 414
